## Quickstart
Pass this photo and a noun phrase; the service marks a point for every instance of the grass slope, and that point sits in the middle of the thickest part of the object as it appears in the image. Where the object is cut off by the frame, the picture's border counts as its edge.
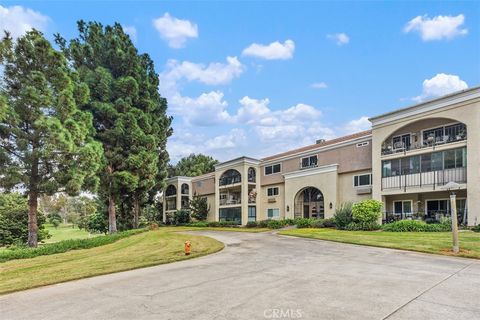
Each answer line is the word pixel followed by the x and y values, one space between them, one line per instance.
pixel 429 242
pixel 142 250
pixel 66 232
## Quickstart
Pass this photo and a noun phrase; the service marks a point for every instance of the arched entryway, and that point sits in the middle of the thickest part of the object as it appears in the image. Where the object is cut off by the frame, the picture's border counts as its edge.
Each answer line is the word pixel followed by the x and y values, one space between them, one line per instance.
pixel 309 203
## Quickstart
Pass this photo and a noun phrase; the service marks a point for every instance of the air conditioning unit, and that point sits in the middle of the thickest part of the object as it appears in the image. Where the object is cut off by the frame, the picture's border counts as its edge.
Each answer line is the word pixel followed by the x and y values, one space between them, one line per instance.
pixel 366 190
pixel 272 200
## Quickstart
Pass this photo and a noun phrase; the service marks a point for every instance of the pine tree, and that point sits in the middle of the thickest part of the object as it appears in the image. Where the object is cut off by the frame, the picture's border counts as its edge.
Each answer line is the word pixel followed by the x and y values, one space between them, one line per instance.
pixel 129 113
pixel 46 143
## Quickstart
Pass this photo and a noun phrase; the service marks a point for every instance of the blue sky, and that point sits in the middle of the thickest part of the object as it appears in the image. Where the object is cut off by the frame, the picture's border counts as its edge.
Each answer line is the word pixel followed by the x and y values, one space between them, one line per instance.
pixel 257 78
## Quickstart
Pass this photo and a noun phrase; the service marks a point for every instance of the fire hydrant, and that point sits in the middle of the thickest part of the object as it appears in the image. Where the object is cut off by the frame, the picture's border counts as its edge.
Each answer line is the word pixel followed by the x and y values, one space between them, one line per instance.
pixel 188 246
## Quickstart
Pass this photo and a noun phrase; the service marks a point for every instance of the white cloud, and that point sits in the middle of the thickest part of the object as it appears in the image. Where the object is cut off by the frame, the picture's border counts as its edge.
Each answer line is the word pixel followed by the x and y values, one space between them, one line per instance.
pixel 339 38
pixel 357 125
pixel 17 20
pixel 272 51
pixel 440 85
pixel 205 110
pixel 252 110
pixel 131 31
pixel 175 31
pixel 319 85
pixel 437 28
pixel 234 138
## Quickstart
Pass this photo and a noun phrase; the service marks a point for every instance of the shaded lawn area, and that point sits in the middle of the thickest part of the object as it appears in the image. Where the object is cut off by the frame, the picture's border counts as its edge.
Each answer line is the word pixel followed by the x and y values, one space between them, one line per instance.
pixel 142 250
pixel 234 229
pixel 66 232
pixel 429 242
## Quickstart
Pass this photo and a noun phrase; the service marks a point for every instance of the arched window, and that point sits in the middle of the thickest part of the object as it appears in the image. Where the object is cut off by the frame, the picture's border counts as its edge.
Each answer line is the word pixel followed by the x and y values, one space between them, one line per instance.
pixel 230 177
pixel 171 191
pixel 309 203
pixel 184 188
pixel 251 175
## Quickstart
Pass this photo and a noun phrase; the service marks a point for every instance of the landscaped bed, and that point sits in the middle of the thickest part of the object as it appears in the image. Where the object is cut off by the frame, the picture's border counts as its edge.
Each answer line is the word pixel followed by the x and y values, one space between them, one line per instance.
pixel 429 242
pixel 136 251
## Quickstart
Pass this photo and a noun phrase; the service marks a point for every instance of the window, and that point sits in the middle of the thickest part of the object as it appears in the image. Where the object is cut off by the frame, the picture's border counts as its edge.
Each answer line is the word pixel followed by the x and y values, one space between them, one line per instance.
pixel 362 180
pixel 275 168
pixel 362 144
pixel 171 191
pixel 272 191
pixel 400 142
pixel 309 162
pixel 273 213
pixel 230 214
pixel 433 134
pixel 252 213
pixel 251 175
pixel 400 207
pixel 230 177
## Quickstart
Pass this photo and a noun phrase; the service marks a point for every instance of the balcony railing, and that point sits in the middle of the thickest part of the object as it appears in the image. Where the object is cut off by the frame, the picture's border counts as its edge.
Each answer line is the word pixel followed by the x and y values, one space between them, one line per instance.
pixel 227 202
pixel 425 179
pixel 430 142
pixel 429 217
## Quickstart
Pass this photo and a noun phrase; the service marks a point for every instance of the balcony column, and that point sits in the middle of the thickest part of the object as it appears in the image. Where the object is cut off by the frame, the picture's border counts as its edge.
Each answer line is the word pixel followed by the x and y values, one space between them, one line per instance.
pixel 244 194
pixel 473 177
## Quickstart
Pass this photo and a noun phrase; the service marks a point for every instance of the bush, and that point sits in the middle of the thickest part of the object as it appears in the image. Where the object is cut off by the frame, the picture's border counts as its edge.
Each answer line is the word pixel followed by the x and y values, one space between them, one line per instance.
pixel 329 223
pixel 289 222
pixel 263 223
pixel 97 222
pixel 181 217
pixel 64 246
pixel 417 226
pixel 252 224
pixel 303 222
pixel 199 224
pixel 343 216
pixel 322 223
pixel 213 224
pixel 476 228
pixel 359 226
pixel 275 224
pixel 367 211
pixel 153 226
pixel 14 220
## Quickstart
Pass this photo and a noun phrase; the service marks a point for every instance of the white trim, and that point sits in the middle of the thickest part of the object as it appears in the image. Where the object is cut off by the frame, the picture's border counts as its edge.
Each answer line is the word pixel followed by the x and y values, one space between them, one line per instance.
pixel 278 191
pixel 443 126
pixel 236 161
pixel 402 201
pixel 308 157
pixel 445 101
pixel 363 144
pixel 318 150
pixel 311 171
pixel 273 217
pixel 272 165
pixel 364 185
pixel 446 199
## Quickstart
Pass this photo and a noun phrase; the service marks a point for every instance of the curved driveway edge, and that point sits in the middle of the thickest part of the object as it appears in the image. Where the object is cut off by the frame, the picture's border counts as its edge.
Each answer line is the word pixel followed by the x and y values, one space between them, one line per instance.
pixel 265 276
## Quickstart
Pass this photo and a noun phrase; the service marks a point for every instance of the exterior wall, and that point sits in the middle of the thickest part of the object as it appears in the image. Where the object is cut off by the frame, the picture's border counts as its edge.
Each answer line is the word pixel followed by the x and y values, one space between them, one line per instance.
pixel 177 182
pixel 347 192
pixel 456 108
pixel 263 203
pixel 204 185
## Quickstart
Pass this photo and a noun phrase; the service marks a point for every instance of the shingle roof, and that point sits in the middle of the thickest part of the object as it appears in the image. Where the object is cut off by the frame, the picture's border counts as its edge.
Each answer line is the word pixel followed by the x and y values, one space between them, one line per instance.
pixel 319 145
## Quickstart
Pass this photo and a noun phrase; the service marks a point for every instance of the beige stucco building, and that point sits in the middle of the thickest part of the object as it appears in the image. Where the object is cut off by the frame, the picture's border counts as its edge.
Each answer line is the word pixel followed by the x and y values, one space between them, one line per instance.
pixel 404 160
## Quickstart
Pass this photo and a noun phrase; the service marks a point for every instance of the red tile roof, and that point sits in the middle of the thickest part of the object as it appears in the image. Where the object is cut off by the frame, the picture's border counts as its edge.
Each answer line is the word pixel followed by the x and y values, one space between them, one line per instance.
pixel 318 145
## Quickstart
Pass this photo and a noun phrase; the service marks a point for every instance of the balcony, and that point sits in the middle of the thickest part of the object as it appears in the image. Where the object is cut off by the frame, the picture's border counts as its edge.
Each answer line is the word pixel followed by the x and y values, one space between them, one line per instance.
pixel 432 179
pixel 230 198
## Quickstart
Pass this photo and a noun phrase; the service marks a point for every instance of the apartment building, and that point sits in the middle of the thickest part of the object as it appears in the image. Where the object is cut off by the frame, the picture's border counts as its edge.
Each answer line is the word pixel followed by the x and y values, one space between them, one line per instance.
pixel 405 161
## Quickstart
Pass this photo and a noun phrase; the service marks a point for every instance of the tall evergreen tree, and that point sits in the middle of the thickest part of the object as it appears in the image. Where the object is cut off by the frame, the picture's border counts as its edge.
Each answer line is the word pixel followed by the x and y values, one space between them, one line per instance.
pixel 129 113
pixel 193 165
pixel 46 143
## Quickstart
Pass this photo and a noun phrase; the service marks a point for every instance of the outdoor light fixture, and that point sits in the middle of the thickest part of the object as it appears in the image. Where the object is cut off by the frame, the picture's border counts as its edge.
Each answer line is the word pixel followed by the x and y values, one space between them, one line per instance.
pixel 331 205
pixel 288 208
pixel 451 186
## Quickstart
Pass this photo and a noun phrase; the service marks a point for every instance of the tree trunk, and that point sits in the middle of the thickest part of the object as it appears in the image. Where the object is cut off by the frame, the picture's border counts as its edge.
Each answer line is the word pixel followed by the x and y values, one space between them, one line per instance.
pixel 32 219
pixel 136 212
pixel 112 217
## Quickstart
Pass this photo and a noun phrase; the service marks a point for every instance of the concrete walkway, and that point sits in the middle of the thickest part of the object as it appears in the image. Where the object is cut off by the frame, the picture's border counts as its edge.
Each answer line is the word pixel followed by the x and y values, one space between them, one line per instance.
pixel 266 276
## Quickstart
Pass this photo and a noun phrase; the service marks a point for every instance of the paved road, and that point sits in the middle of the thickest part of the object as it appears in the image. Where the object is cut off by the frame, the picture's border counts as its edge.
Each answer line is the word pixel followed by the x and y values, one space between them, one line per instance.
pixel 266 276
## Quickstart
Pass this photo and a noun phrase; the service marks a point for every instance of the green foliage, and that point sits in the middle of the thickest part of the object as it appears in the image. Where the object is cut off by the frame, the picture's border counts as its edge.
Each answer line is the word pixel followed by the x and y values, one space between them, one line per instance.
pixel 251 224
pixel 64 246
pixel 97 222
pixel 417 226
pixel 343 215
pixel 322 223
pixel 128 113
pixel 366 212
pixel 14 220
pixel 55 219
pixel 192 166
pixel 199 208
pixel 303 222
pixel 46 142
pixel 362 226
pixel 181 217
pixel 263 223
pixel 476 228
pixel 275 224
pixel 199 224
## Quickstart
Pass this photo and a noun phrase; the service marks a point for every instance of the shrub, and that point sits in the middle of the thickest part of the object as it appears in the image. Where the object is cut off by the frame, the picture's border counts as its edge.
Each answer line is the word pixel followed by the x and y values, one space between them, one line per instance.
pixel 153 226
pixel 64 246
pixel 361 226
pixel 263 223
pixel 417 226
pixel 476 228
pixel 14 220
pixel 366 211
pixel 303 222
pixel 289 222
pixel 251 224
pixel 97 222
pixel 199 224
pixel 199 208
pixel 181 217
pixel 322 223
pixel 275 224
pixel 329 223
pixel 343 216
pixel 213 224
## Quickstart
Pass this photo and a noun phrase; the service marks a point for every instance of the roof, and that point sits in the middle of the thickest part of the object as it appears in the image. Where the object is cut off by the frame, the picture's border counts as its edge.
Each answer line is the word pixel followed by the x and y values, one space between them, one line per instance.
pixel 427 102
pixel 320 145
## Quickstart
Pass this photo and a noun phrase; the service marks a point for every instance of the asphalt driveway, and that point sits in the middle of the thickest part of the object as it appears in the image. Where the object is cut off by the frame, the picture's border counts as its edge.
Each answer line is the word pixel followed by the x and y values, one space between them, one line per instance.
pixel 266 276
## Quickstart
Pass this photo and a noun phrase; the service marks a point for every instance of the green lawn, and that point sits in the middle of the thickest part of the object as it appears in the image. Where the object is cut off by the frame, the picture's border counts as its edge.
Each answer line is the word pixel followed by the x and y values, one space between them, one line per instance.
pixel 429 242
pixel 142 250
pixel 66 232
pixel 238 229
